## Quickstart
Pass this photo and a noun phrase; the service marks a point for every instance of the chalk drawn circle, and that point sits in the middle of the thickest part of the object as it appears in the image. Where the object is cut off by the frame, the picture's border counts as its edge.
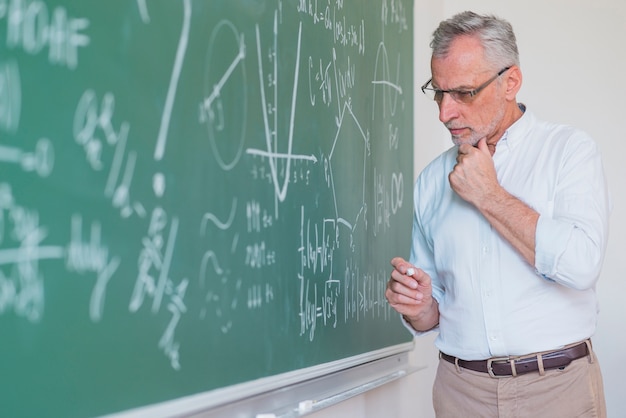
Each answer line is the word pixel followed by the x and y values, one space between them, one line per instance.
pixel 226 94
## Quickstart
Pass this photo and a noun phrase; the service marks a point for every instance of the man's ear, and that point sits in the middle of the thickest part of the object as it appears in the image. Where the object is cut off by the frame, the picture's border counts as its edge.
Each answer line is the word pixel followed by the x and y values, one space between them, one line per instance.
pixel 513 82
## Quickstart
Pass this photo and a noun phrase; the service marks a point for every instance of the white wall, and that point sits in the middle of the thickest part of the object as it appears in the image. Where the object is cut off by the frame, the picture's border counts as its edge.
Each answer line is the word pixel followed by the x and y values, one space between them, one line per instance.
pixel 573 57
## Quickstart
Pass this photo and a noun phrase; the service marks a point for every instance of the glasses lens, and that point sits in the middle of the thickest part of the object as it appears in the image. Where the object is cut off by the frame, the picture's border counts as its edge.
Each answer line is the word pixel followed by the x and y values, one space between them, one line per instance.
pixel 458 96
pixel 433 94
pixel 464 97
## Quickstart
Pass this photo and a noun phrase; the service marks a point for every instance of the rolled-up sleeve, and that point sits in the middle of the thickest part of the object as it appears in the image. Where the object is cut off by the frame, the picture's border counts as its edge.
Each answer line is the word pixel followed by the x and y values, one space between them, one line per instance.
pixel 571 238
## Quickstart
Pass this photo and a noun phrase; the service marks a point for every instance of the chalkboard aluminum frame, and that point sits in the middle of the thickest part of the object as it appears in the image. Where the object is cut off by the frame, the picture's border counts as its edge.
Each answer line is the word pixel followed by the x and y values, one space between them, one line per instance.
pixel 279 395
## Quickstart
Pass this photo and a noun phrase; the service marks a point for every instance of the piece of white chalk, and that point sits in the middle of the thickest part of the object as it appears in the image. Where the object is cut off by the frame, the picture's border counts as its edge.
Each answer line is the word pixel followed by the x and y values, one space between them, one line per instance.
pixel 305 406
pixel 410 271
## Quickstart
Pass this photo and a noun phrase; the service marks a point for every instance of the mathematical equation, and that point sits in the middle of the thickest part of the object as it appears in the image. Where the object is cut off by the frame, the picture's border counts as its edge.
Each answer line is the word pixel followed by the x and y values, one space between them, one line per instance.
pixel 262 159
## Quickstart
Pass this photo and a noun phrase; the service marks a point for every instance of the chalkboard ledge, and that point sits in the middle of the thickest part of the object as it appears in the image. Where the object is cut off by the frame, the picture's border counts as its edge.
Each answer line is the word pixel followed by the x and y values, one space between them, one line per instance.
pixel 292 394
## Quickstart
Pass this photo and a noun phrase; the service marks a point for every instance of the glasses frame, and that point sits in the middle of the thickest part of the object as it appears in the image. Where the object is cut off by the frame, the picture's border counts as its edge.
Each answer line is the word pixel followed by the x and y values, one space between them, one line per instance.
pixel 459 95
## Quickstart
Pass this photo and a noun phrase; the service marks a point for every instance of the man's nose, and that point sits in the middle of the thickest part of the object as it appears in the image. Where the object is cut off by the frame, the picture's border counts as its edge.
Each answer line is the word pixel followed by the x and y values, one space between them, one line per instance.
pixel 448 108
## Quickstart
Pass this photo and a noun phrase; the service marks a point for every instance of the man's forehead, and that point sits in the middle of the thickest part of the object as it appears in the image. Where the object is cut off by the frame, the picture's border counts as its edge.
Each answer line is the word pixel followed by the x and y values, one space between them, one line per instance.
pixel 462 66
pixel 459 77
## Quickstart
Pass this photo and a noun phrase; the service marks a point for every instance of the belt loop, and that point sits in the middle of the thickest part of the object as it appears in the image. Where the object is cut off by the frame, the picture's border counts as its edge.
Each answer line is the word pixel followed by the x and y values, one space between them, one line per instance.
pixel 513 369
pixel 456 364
pixel 589 349
pixel 542 371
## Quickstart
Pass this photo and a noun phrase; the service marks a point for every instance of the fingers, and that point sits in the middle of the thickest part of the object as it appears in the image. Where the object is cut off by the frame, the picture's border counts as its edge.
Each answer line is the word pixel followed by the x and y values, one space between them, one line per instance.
pixel 467 149
pixel 397 262
pixel 474 173
pixel 407 283
pixel 464 150
pixel 409 289
pixel 404 273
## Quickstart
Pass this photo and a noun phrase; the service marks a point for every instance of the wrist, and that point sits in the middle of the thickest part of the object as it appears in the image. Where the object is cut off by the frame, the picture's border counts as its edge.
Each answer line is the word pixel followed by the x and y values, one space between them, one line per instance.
pixel 426 319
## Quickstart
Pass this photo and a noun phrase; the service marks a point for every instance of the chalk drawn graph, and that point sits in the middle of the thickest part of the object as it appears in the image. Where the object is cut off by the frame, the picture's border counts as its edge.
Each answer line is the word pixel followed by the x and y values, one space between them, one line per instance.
pixel 272 138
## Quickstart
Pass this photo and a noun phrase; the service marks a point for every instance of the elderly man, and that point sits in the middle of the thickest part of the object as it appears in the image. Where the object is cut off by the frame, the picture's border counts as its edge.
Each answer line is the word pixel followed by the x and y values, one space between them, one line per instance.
pixel 509 234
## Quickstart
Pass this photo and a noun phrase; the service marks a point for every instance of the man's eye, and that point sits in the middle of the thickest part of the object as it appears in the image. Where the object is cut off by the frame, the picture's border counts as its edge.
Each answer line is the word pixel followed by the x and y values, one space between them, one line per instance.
pixel 462 96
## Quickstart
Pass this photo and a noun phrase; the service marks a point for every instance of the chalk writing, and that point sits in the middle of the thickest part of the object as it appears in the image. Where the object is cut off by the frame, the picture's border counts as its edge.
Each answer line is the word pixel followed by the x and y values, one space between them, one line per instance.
pixel 204 173
pixel 32 27
pixel 90 120
pixel 10 96
pixel 22 285
pixel 212 110
pixel 346 33
pixel 91 256
pixel 154 281
pixel 40 161
pixel 171 92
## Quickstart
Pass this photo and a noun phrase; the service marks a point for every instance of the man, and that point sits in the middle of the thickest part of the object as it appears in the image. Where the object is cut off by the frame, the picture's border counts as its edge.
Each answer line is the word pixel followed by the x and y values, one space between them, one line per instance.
pixel 509 235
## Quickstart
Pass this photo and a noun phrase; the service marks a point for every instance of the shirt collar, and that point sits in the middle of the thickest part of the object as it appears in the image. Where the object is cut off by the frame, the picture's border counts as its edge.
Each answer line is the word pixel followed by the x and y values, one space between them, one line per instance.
pixel 516 132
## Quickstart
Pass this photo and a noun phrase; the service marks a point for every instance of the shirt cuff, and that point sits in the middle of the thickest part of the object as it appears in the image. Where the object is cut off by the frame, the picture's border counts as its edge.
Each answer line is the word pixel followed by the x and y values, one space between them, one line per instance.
pixel 551 239
pixel 412 330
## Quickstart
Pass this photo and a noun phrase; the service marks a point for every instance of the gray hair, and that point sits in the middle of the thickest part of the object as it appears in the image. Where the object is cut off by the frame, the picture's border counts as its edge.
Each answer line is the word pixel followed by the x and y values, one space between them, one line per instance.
pixel 496 36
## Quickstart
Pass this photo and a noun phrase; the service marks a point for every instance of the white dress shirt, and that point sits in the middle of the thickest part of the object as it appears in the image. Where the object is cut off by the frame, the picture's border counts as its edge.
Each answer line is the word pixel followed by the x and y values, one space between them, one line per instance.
pixel 492 302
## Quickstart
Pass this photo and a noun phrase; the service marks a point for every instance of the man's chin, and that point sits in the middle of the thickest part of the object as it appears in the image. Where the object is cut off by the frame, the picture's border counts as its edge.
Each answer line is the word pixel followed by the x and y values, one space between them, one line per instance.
pixel 459 140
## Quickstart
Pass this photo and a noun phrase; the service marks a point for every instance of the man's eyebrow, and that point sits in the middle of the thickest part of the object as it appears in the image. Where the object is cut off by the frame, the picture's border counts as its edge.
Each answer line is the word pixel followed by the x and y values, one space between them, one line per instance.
pixel 459 88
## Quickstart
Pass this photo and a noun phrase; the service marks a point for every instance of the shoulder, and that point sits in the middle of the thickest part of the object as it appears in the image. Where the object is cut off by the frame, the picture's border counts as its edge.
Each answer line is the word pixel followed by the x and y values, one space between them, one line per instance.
pixel 553 137
pixel 558 132
pixel 440 166
pixel 569 149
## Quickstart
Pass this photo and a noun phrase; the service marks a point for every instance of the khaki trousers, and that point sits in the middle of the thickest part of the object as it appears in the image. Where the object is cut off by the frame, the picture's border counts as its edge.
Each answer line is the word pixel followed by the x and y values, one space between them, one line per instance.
pixel 575 391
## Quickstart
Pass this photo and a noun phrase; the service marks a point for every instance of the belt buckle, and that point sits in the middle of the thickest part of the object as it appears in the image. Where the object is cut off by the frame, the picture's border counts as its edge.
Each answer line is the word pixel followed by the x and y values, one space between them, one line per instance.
pixel 490 361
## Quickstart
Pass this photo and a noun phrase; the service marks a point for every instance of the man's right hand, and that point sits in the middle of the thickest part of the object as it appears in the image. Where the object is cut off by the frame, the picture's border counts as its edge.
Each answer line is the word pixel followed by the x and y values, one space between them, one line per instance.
pixel 409 292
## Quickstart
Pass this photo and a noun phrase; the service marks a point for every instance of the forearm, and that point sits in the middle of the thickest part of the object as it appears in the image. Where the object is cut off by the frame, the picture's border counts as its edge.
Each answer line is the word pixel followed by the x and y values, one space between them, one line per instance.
pixel 514 220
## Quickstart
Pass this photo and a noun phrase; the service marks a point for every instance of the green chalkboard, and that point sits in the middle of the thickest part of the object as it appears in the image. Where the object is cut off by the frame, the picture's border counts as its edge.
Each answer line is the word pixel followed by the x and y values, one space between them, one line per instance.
pixel 196 194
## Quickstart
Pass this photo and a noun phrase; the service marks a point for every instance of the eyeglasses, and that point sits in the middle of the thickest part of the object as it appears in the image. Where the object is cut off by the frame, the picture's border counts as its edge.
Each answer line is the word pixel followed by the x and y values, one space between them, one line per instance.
pixel 459 96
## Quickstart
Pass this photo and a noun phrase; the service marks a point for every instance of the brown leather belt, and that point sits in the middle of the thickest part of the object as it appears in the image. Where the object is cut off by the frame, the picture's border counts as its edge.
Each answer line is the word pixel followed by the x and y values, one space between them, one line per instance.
pixel 513 366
